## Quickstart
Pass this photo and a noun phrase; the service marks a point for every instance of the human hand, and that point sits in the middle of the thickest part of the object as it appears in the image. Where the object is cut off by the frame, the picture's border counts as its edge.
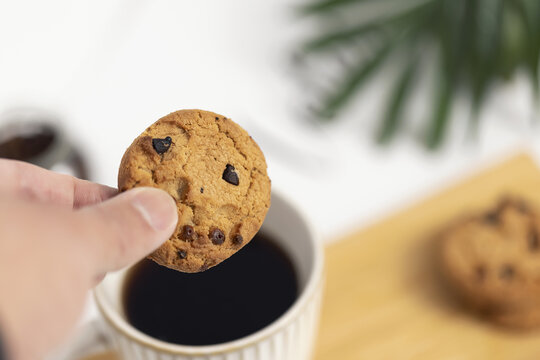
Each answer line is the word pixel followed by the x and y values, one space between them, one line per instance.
pixel 58 237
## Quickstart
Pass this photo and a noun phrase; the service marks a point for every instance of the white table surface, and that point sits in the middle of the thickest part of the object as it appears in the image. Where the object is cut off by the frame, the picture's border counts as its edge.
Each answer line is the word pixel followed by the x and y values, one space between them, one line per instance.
pixel 109 68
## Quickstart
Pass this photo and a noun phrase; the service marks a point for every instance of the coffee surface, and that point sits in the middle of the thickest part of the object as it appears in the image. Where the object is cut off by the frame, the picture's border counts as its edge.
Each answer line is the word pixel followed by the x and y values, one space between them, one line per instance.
pixel 237 298
pixel 27 146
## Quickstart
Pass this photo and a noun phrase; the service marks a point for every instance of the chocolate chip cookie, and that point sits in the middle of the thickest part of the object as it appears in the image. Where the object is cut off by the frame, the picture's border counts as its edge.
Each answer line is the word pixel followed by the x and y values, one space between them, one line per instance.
pixel 216 173
pixel 493 261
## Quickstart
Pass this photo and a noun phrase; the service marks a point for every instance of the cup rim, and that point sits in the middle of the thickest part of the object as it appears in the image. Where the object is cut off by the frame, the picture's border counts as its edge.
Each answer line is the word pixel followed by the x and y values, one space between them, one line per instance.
pixel 310 290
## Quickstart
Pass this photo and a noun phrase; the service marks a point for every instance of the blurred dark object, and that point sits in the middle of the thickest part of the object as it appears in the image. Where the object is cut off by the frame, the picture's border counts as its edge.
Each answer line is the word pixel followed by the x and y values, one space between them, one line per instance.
pixel 26 144
pixel 33 136
pixel 472 44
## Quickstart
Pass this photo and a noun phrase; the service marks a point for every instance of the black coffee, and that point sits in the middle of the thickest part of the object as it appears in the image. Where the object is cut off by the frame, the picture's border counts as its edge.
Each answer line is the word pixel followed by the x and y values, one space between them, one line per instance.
pixel 25 146
pixel 234 299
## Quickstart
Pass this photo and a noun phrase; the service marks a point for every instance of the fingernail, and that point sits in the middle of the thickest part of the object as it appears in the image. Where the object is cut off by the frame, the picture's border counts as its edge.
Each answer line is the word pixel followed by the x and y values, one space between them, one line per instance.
pixel 156 207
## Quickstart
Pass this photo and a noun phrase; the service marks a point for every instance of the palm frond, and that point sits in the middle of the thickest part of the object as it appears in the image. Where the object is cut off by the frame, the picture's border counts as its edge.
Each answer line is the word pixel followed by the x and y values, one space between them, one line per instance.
pixel 357 32
pixel 326 5
pixel 441 112
pixel 529 13
pixel 352 82
pixel 483 54
pixel 512 38
pixel 478 43
pixel 396 101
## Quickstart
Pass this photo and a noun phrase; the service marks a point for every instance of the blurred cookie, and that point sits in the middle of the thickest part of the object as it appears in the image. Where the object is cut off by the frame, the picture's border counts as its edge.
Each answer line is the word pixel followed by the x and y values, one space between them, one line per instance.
pixel 523 319
pixel 216 173
pixel 493 260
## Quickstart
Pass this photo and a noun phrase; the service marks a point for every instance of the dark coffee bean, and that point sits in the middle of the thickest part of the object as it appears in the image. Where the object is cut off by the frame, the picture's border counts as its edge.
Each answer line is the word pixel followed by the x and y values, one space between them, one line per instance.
pixel 480 272
pixel 507 272
pixel 162 145
pixel 182 254
pixel 230 175
pixel 533 240
pixel 217 236
pixel 237 239
pixel 492 218
pixel 188 233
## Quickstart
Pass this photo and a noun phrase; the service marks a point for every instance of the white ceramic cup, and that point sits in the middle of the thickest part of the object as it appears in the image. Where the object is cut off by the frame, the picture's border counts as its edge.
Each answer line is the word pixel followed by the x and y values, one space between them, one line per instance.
pixel 290 337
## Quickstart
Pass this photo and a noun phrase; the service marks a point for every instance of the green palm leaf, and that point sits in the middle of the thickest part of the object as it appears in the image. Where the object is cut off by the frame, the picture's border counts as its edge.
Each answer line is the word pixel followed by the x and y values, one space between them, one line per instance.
pixel 353 82
pixel 453 42
pixel 484 52
pixel 441 112
pixel 478 43
pixel 413 15
pixel 326 5
pixel 529 13
pixel 396 101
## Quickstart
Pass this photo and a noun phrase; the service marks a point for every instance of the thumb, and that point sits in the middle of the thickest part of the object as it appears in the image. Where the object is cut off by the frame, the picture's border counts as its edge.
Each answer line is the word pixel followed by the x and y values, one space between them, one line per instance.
pixel 124 229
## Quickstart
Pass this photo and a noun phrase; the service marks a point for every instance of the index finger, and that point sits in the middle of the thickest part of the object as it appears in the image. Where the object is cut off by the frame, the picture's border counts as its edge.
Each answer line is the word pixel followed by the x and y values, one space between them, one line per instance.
pixel 34 183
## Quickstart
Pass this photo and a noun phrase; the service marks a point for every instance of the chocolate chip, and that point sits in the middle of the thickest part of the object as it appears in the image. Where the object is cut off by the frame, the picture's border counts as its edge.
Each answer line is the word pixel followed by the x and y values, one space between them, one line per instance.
pixel 182 254
pixel 533 240
pixel 217 118
pixel 480 272
pixel 202 190
pixel 237 239
pixel 188 232
pixel 230 176
pixel 507 272
pixel 162 145
pixel 217 236
pixel 492 218
pixel 204 267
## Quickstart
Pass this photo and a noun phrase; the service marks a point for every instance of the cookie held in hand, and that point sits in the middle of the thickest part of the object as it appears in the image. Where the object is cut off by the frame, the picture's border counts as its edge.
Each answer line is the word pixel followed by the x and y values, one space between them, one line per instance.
pixel 217 175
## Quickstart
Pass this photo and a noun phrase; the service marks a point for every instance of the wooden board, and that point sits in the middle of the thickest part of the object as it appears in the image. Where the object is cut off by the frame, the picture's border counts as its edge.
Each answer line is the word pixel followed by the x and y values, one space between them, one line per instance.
pixel 108 355
pixel 384 298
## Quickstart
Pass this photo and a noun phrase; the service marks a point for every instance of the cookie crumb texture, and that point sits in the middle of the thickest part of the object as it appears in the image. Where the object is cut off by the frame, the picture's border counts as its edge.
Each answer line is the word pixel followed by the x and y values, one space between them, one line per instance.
pixel 216 173
pixel 493 261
